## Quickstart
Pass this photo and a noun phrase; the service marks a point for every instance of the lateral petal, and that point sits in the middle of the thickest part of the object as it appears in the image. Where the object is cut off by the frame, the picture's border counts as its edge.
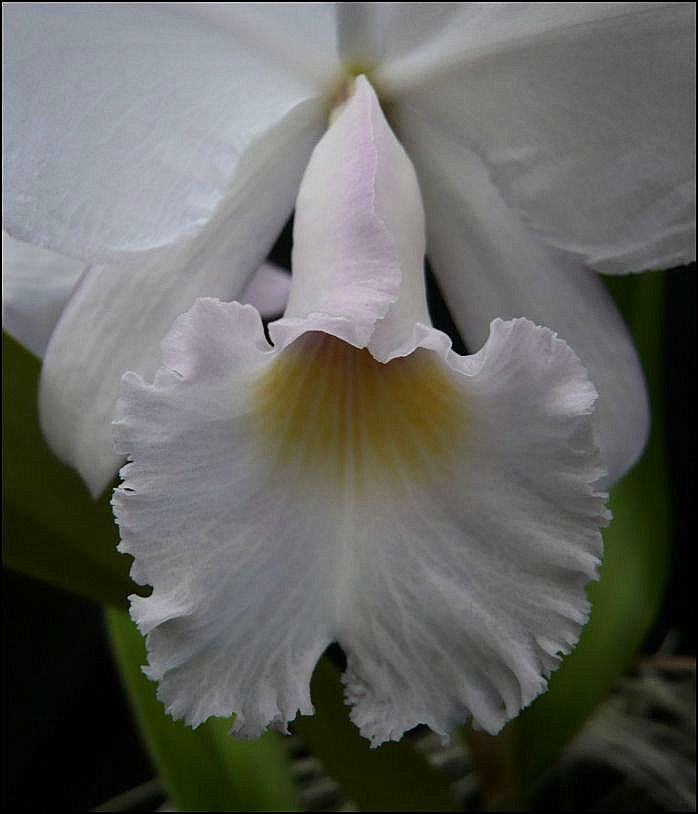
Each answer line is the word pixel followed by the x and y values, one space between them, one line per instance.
pixel 584 114
pixel 126 124
pixel 293 36
pixel 117 317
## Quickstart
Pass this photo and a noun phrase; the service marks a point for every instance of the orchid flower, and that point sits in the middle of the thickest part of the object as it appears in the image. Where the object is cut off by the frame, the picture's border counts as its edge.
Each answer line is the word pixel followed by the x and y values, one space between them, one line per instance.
pixel 164 144
pixel 358 481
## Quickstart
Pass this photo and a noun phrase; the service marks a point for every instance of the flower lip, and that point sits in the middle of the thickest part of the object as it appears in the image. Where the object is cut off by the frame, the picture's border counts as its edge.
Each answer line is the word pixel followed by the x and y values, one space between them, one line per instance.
pixel 445 604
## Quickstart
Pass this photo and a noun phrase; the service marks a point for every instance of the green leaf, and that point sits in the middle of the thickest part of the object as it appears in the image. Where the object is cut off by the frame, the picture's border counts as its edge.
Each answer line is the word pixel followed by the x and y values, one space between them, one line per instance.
pixel 202 769
pixel 52 528
pixel 394 777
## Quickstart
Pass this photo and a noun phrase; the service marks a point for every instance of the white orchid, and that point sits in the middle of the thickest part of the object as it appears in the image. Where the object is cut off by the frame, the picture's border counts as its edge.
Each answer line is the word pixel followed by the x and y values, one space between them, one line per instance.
pixel 358 481
pixel 165 144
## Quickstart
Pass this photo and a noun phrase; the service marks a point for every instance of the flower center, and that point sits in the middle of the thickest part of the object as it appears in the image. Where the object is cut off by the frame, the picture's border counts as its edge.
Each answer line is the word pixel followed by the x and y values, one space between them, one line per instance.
pixel 344 89
pixel 329 410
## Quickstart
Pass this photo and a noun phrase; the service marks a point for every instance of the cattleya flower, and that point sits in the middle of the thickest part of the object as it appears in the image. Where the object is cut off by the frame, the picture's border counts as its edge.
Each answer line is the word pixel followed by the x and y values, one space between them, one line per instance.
pixel 164 145
pixel 358 481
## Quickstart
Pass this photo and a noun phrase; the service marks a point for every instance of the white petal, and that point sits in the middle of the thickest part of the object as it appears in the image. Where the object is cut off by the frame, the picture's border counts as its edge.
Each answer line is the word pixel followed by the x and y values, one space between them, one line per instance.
pixel 119 314
pixel 434 515
pixel 126 124
pixel 36 285
pixel 422 43
pixel 268 290
pixel 584 113
pixel 358 251
pixel 490 264
pixel 298 38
